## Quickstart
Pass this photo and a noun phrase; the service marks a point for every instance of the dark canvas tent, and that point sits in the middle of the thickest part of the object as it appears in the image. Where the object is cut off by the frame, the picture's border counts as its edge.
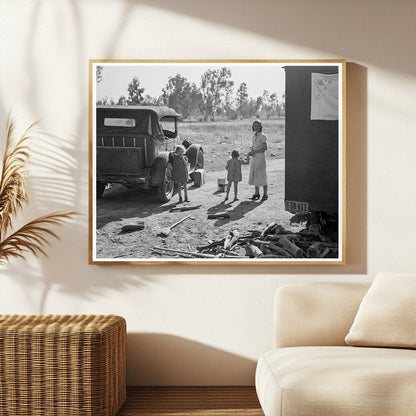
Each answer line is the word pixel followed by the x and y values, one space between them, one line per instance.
pixel 312 139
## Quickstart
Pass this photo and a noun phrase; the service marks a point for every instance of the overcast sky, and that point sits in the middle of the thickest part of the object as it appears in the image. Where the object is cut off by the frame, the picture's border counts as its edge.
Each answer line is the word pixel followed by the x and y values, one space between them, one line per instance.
pixel 153 77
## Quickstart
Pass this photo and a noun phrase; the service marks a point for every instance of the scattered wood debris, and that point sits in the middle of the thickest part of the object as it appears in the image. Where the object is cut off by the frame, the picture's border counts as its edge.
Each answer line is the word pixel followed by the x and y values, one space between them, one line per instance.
pixel 231 240
pixel 273 241
pixel 252 250
pixel 184 208
pixel 219 215
pixel 181 252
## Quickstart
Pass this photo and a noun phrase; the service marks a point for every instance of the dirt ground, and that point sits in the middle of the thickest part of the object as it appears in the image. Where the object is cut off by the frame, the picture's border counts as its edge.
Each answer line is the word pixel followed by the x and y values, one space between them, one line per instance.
pixel 120 207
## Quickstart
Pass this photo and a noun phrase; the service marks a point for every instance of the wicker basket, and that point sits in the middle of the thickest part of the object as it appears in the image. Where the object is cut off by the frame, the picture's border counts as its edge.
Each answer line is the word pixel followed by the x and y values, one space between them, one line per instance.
pixel 71 365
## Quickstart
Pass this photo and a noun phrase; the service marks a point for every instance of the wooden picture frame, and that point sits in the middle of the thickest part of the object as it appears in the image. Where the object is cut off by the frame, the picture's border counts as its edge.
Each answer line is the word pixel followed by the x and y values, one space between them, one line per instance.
pixel 141 112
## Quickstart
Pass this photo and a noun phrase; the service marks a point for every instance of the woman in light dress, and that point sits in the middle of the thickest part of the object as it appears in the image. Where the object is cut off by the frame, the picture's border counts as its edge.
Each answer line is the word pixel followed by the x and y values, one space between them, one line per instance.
pixel 258 175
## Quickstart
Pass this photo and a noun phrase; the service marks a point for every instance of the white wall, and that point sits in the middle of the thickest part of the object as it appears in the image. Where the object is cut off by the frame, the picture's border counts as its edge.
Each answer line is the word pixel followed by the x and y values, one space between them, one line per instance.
pixel 204 325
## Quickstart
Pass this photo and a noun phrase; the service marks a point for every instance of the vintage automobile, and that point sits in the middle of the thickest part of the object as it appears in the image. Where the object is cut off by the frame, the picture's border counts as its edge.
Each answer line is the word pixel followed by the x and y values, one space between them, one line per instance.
pixel 133 145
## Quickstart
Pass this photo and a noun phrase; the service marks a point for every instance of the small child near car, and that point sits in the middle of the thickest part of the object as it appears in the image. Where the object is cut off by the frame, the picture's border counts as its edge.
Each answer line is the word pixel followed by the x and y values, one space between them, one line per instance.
pixel 180 171
pixel 234 175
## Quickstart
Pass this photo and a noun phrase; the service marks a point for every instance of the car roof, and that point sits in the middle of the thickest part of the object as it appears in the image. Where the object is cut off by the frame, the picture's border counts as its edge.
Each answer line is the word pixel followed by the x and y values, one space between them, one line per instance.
pixel 161 111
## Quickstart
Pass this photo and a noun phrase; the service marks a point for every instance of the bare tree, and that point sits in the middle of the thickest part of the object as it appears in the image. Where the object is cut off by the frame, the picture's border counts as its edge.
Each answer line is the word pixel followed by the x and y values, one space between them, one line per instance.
pixel 135 92
pixel 216 88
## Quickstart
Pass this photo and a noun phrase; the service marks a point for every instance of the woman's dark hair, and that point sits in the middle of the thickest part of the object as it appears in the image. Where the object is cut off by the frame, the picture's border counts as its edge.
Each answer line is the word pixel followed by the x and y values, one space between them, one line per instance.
pixel 235 154
pixel 257 122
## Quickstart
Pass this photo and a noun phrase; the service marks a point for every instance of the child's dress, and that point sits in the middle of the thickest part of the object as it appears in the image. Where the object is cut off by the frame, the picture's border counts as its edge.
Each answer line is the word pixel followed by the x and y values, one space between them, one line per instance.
pixel 179 168
pixel 233 167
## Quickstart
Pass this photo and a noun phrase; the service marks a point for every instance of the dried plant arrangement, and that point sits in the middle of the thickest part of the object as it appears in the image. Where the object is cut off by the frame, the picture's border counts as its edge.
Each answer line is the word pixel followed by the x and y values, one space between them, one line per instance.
pixel 34 236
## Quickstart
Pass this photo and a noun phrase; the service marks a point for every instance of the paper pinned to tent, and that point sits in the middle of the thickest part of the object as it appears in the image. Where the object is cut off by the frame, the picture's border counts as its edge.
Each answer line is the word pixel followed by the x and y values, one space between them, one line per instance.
pixel 324 96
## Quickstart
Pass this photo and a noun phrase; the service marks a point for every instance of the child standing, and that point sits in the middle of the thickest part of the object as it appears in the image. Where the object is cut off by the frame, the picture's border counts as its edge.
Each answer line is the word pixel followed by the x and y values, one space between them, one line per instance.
pixel 180 171
pixel 234 175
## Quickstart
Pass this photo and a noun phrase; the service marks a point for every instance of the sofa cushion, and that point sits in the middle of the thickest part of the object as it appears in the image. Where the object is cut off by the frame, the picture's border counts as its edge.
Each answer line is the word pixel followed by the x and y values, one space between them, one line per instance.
pixel 341 381
pixel 387 314
pixel 315 314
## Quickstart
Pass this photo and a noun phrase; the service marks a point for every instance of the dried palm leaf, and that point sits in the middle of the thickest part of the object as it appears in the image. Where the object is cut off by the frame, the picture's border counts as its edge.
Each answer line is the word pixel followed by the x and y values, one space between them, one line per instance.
pixel 33 237
pixel 12 182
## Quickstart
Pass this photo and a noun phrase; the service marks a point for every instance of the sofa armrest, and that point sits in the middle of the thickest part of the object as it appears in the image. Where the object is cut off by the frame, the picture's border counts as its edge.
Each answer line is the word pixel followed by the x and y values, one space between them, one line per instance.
pixel 308 314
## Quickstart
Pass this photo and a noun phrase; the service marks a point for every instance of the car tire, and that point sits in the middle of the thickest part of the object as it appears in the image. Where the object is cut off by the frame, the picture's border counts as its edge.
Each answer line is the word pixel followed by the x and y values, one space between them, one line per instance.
pixel 165 188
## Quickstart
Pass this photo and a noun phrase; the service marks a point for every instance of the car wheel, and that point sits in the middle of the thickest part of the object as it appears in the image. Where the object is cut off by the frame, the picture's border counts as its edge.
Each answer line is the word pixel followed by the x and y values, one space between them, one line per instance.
pixel 165 188
pixel 100 189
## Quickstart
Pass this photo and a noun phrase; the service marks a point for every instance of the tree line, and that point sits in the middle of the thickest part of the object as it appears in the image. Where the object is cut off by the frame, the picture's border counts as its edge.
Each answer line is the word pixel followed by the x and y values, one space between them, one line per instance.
pixel 213 98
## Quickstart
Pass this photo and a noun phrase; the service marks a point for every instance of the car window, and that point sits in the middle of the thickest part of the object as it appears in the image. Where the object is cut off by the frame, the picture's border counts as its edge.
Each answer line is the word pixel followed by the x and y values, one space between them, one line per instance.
pixel 133 122
pixel 168 125
pixel 119 122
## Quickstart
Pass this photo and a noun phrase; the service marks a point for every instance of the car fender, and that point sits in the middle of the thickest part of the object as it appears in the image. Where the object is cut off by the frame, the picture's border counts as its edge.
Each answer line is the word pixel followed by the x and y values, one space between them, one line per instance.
pixel 157 172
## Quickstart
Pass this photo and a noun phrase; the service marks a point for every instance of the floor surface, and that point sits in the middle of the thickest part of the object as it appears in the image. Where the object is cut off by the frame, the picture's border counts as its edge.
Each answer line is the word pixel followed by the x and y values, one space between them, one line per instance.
pixel 191 401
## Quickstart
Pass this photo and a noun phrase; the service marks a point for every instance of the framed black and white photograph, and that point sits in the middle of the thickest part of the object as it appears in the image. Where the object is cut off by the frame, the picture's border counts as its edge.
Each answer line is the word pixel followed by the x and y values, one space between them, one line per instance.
pixel 217 162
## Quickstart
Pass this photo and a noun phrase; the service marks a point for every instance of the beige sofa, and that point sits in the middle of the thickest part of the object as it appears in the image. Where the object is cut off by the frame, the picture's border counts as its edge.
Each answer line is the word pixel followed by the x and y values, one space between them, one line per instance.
pixel 311 370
